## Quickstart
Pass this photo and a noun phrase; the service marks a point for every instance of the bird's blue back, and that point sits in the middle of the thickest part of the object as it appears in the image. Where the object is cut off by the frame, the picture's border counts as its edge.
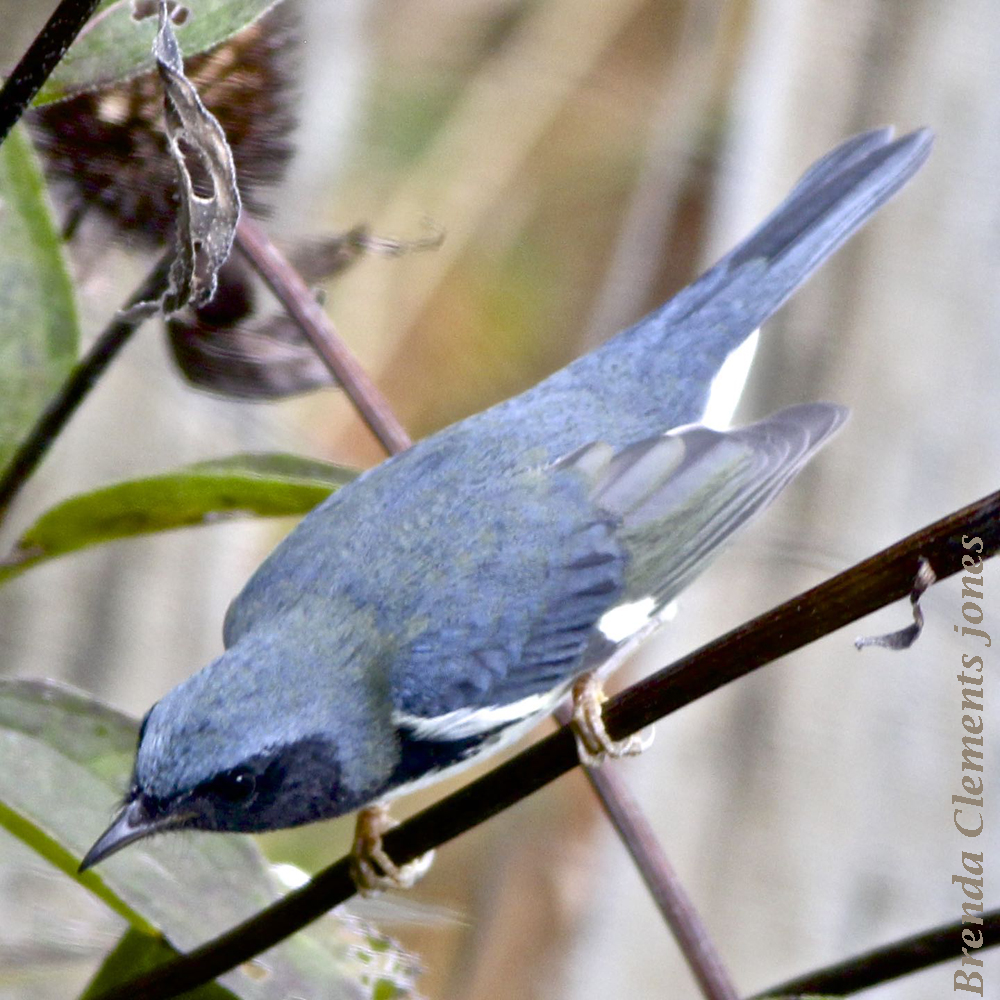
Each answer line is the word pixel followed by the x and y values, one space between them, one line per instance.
pixel 650 378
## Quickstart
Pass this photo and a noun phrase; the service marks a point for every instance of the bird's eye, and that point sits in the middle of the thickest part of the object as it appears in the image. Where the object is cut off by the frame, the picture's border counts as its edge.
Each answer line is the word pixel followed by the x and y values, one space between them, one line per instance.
pixel 235 786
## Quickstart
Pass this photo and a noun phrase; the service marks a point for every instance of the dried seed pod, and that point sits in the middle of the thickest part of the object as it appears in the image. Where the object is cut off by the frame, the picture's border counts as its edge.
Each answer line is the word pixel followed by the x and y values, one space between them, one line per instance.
pixel 108 149
pixel 263 360
pixel 219 348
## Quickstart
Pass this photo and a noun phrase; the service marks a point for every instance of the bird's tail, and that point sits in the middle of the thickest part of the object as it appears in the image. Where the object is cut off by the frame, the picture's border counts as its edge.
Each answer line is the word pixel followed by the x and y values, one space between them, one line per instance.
pixel 829 203
pixel 657 373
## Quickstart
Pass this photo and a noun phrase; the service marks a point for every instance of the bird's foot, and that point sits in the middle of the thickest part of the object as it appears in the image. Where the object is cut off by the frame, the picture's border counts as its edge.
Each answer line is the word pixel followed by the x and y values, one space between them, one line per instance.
pixel 593 744
pixel 371 867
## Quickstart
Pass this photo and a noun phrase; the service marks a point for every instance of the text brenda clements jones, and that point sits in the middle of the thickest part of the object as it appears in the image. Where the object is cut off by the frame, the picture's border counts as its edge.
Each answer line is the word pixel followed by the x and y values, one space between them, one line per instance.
pixel 968 807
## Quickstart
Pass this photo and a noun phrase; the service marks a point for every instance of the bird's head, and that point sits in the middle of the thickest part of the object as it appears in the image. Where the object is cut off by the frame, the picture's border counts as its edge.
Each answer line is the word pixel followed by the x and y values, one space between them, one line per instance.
pixel 237 748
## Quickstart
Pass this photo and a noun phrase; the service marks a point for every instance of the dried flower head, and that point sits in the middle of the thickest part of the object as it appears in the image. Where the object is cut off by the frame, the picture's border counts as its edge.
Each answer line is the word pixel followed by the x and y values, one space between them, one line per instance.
pixel 108 150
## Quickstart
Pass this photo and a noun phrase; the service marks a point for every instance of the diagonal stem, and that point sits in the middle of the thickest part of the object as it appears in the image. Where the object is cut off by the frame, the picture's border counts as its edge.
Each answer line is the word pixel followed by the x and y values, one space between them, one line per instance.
pixel 80 381
pixel 865 587
pixel 880 965
pixel 665 887
pixel 669 895
pixel 303 308
pixel 41 59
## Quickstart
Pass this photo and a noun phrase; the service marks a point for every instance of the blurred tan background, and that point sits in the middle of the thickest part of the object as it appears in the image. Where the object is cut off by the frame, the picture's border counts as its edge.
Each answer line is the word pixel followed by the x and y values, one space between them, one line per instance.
pixel 585 158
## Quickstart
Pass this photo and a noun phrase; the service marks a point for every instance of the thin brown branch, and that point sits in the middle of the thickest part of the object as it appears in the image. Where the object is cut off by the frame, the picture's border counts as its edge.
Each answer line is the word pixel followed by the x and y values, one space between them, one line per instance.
pixel 41 59
pixel 661 879
pixel 78 383
pixel 872 584
pixel 674 904
pixel 881 579
pixel 880 965
pixel 302 306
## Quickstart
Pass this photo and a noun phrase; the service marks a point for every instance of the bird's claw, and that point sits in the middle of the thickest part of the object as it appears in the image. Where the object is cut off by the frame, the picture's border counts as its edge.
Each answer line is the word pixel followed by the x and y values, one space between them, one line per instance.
pixel 371 867
pixel 593 744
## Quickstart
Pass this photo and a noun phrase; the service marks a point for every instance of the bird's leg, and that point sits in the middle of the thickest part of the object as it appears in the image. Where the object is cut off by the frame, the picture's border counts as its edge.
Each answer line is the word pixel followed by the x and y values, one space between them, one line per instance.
pixel 593 743
pixel 371 867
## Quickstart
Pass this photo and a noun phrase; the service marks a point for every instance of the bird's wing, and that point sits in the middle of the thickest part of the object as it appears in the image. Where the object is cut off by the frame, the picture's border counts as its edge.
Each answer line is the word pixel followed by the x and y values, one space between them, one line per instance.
pixel 653 515
pixel 523 617
pixel 681 496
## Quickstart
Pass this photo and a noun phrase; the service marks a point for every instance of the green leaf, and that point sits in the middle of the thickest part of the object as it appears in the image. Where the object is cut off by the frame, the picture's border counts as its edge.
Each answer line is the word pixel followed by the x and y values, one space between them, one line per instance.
pixel 114 46
pixel 65 760
pixel 39 334
pixel 138 953
pixel 241 486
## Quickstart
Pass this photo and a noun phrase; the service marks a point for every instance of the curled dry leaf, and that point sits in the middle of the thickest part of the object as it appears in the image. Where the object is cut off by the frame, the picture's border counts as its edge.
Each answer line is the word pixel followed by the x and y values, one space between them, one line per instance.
pixel 209 204
pixel 107 153
pixel 905 637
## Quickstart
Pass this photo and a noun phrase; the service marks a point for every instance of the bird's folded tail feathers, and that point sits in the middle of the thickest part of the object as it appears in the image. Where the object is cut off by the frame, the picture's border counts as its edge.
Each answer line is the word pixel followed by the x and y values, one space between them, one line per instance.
pixel 833 198
pixel 828 204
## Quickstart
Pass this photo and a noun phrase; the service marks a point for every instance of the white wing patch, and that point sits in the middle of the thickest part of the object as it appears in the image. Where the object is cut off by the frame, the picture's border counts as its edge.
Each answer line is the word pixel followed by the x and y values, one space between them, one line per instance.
pixel 624 621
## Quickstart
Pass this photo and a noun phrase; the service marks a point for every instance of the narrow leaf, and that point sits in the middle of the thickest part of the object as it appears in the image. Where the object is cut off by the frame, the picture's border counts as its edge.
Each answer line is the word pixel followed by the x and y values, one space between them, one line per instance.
pixel 39 334
pixel 273 485
pixel 135 954
pixel 115 46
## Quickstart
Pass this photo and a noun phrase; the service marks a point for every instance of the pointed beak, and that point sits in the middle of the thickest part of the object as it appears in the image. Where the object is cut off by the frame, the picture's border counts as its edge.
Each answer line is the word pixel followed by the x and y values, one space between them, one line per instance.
pixel 131 824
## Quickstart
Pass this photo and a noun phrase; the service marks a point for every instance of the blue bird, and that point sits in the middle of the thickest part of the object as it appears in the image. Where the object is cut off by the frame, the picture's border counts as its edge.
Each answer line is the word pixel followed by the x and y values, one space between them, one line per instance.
pixel 445 600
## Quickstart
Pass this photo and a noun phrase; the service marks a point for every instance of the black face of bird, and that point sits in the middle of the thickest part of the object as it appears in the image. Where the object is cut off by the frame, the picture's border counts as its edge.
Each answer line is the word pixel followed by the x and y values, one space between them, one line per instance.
pixel 280 786
pixel 283 786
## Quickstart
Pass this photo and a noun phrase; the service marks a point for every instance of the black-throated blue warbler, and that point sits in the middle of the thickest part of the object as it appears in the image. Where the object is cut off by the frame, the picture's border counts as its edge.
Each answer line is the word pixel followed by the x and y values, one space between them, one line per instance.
pixel 447 598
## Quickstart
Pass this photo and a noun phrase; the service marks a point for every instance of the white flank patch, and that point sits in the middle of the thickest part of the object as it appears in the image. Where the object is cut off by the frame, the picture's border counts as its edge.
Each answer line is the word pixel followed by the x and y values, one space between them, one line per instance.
pixel 465 722
pixel 624 621
pixel 290 876
pixel 727 386
pixel 521 716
